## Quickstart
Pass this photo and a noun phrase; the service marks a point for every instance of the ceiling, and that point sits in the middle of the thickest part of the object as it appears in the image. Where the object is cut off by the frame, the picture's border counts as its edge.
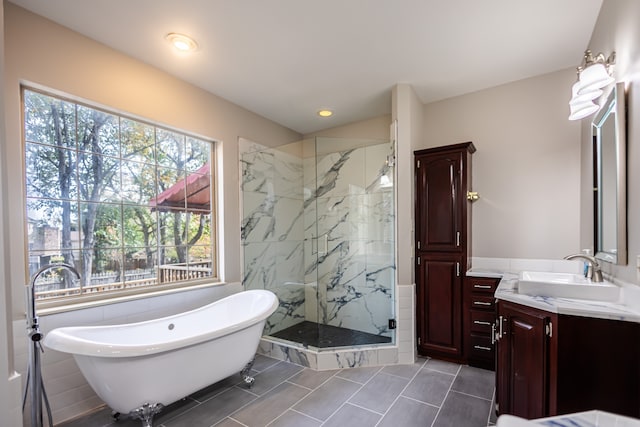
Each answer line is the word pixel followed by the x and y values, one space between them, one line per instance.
pixel 286 59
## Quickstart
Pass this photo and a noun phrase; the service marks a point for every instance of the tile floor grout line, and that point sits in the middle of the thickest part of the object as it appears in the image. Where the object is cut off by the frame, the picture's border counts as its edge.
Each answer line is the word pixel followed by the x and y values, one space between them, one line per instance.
pixel 306 415
pixel 445 396
pixel 260 396
pixel 492 406
pixel 230 418
pixel 401 391
pixel 352 394
pixel 471 395
pixel 227 390
pixel 366 409
pixel 303 397
pixel 419 401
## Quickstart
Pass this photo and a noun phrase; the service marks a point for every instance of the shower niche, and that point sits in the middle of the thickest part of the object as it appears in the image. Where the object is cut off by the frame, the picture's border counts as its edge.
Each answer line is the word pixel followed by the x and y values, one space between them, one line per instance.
pixel 318 229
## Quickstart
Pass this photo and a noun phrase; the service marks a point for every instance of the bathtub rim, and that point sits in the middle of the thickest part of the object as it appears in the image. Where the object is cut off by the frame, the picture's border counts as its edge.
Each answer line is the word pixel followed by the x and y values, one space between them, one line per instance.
pixel 64 339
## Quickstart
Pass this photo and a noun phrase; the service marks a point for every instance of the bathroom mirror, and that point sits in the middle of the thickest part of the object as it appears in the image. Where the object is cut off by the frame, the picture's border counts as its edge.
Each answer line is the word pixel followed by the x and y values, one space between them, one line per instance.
pixel 610 178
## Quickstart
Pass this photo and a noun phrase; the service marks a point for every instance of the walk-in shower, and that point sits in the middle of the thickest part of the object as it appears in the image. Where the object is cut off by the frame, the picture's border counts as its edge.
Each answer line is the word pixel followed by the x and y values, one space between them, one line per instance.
pixel 318 230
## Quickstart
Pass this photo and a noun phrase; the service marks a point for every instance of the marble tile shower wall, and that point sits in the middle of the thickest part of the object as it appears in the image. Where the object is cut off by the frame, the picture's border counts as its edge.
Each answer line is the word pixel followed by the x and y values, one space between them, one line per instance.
pixel 351 218
pixel 273 230
pixel 320 233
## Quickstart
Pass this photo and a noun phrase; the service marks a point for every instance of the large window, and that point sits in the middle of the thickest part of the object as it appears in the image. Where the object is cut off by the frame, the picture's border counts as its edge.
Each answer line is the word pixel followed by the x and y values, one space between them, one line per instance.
pixel 127 203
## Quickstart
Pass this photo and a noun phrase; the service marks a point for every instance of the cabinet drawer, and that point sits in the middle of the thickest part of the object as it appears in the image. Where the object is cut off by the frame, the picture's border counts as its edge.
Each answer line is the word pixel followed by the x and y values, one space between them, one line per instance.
pixel 481 321
pixel 482 302
pixel 482 285
pixel 481 347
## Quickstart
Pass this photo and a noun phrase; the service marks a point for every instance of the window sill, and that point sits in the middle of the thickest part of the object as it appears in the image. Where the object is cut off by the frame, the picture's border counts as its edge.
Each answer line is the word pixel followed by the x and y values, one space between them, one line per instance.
pixel 45 308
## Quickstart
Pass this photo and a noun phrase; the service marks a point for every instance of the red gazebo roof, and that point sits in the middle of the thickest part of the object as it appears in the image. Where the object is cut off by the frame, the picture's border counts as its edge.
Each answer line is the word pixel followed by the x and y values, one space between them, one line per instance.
pixel 191 193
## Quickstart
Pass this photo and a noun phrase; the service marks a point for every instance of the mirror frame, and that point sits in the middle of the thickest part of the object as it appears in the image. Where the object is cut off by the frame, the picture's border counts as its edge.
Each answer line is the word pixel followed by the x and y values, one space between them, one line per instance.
pixel 614 103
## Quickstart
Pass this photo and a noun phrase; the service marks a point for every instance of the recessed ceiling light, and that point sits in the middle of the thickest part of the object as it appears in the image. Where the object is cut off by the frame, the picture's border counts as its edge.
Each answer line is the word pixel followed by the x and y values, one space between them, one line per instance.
pixel 325 113
pixel 181 42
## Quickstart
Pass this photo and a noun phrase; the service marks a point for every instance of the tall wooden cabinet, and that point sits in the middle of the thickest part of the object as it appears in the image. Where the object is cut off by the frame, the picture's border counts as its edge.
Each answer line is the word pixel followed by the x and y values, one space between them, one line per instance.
pixel 443 230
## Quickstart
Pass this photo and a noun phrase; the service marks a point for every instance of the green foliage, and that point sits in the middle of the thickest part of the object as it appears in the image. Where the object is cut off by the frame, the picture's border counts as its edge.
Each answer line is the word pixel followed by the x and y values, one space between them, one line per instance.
pixel 93 175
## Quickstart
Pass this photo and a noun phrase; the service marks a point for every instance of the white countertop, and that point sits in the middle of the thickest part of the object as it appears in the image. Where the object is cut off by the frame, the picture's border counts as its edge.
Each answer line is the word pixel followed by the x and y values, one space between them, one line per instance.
pixel 507 291
pixel 580 419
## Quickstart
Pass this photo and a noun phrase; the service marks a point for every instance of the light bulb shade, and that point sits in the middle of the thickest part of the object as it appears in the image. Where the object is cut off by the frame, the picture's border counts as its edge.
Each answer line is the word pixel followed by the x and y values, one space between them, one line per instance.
pixel 586 96
pixel 582 110
pixel 593 77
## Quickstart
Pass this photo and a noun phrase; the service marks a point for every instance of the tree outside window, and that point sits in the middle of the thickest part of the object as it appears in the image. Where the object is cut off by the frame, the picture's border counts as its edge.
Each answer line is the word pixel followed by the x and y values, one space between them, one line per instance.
pixel 126 202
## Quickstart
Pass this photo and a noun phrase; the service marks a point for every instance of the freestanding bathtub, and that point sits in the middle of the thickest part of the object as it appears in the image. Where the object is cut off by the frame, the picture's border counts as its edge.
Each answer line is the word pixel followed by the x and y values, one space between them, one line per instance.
pixel 138 368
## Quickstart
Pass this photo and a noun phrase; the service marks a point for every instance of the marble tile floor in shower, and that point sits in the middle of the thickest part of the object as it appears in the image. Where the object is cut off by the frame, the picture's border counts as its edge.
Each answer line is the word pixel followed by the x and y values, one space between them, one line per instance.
pixel 427 393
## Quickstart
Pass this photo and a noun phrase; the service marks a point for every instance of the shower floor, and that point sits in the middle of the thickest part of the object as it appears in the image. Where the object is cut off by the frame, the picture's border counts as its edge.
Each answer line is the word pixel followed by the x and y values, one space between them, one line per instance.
pixel 324 336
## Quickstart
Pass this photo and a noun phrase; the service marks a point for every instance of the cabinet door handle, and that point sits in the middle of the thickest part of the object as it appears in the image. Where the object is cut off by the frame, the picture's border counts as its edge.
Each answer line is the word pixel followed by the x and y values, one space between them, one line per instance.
pixel 458 269
pixel 499 327
pixel 494 338
pixel 457 238
pixel 480 347
pixel 482 286
pixel 481 303
pixel 480 322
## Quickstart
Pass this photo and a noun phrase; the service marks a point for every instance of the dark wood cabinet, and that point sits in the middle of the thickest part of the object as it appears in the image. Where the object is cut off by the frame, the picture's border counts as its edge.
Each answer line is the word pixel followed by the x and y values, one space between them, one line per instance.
pixel 439 304
pixel 523 353
pixel 479 316
pixel 551 364
pixel 443 227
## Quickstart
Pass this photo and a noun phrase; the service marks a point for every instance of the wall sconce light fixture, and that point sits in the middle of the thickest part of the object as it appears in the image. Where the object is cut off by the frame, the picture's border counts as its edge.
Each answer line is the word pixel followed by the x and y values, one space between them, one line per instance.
pixel 593 74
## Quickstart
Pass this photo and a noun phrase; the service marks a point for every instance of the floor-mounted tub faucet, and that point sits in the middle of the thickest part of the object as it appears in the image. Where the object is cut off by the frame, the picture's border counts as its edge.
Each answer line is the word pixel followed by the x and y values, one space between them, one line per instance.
pixel 34 373
pixel 593 270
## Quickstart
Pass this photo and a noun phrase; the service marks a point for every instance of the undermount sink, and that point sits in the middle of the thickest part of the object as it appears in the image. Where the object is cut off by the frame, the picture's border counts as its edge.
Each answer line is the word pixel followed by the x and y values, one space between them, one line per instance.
pixel 566 285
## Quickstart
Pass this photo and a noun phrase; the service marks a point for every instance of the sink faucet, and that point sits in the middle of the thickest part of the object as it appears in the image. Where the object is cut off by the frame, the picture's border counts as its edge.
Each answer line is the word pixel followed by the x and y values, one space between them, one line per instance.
pixel 593 268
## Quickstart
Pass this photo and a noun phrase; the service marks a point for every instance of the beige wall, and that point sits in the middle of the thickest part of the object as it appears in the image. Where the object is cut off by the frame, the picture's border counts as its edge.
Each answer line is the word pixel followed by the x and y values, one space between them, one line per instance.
pixel 10 382
pixel 526 168
pixel 618 29
pixel 376 128
pixel 41 52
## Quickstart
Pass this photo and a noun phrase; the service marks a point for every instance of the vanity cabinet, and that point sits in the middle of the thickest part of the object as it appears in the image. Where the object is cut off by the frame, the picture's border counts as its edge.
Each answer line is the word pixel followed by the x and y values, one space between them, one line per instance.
pixel 443 227
pixel 551 364
pixel 479 316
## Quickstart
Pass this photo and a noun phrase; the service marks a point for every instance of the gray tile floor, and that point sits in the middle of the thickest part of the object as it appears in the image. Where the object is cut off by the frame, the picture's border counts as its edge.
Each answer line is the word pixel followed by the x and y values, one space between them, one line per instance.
pixel 427 393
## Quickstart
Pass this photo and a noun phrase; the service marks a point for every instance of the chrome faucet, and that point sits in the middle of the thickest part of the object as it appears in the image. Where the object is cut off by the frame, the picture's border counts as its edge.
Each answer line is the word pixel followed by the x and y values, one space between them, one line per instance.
pixel 593 268
pixel 34 374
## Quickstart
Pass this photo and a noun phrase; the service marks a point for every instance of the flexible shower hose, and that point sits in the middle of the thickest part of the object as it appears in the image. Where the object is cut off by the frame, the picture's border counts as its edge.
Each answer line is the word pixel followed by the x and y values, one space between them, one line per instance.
pixel 44 393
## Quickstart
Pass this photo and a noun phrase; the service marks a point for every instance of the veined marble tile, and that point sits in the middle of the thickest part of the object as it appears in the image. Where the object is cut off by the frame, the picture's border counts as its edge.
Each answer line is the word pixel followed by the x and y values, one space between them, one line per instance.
pixel 340 174
pixel 258 223
pixel 288 175
pixel 258 172
pixel 347 359
pixel 271 218
pixel 362 309
pixel 289 261
pixel 259 265
pixel 291 309
pixel 288 354
pixel 248 146
pixel 311 302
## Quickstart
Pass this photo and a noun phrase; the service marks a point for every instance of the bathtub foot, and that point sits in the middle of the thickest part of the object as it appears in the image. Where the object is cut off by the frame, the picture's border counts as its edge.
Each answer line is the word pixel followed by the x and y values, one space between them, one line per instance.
pixel 115 415
pixel 146 412
pixel 248 379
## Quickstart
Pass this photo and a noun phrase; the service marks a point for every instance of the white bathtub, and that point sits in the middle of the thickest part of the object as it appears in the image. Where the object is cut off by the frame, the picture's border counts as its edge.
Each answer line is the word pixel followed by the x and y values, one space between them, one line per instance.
pixel 139 367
